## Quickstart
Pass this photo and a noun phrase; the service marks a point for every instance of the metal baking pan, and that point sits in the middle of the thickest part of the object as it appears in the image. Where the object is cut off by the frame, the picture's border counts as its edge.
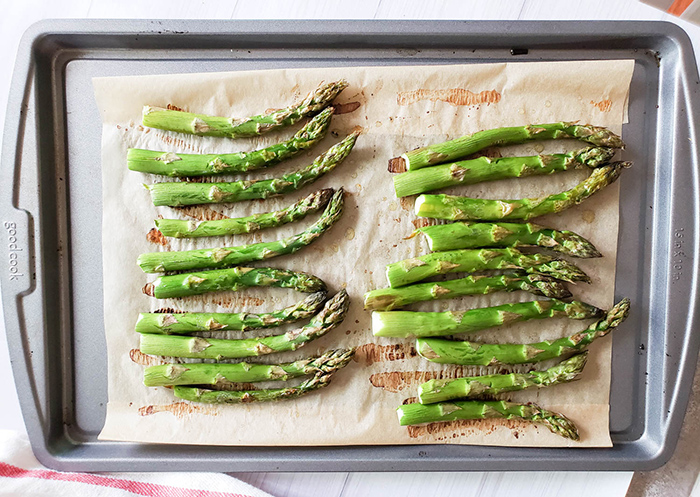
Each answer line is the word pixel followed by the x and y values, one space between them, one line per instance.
pixel 50 211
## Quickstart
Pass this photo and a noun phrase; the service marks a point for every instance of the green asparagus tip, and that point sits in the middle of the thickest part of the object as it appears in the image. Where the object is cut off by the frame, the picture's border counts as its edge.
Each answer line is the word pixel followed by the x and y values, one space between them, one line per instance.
pixel 618 313
pixel 576 363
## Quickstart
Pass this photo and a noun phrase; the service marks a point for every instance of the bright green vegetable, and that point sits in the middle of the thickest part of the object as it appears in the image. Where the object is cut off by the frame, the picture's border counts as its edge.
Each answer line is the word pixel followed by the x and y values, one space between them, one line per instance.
pixel 386 299
pixel 234 279
pixel 469 235
pixel 452 150
pixel 406 324
pixel 204 125
pixel 177 164
pixel 471 260
pixel 473 171
pixel 434 391
pixel 182 193
pixel 155 262
pixel 188 322
pixel 331 315
pixel 464 208
pixel 491 354
pixel 242 372
pixel 180 228
pixel 413 414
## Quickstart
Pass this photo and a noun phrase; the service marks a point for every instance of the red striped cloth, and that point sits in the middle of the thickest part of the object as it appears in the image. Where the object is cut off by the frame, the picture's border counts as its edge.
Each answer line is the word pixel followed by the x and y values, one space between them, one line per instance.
pixel 21 474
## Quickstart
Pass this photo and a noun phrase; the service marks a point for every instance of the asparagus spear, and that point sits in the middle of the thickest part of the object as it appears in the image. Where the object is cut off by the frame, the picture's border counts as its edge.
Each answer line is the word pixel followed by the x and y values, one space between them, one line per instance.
pixel 452 150
pixel 187 322
pixel 481 169
pixel 204 125
pixel 457 208
pixel 179 228
pixel 488 354
pixel 172 164
pixel 474 235
pixel 180 193
pixel 413 414
pixel 242 372
pixel 234 279
pixel 155 262
pixel 386 299
pixel 407 324
pixel 478 386
pixel 468 261
pixel 330 316
pixel 319 380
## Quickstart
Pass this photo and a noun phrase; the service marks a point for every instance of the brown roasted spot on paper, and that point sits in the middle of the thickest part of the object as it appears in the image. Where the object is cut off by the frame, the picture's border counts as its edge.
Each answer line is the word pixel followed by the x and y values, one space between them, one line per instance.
pixel 239 301
pixel 397 165
pixel 452 96
pixel 345 108
pixel 201 213
pixel 169 310
pixel 588 216
pixel 174 107
pixel 395 381
pixel 422 222
pixel 359 129
pixel 176 142
pixel 603 105
pixel 145 360
pixel 178 409
pixel 371 353
pixel 440 432
pixel 407 203
pixel 155 236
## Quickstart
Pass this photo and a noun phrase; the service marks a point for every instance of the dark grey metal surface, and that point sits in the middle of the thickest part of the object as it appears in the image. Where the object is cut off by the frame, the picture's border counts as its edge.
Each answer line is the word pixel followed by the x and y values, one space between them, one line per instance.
pixel 51 201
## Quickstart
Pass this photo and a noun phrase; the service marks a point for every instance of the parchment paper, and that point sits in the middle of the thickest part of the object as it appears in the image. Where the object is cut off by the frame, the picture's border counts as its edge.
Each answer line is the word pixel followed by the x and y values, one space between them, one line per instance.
pixel 400 108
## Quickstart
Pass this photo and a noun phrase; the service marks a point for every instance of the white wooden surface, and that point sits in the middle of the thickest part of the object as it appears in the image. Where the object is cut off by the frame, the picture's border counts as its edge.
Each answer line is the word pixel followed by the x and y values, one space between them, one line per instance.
pixel 676 479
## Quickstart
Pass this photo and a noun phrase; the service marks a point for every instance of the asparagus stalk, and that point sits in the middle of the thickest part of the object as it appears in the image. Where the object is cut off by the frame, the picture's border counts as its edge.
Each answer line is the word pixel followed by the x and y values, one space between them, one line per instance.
pixel 330 316
pixel 409 271
pixel 481 169
pixel 234 279
pixel 181 193
pixel 156 262
pixel 187 322
pixel 458 208
pixel 204 125
pixel 386 299
pixel 242 372
pixel 406 324
pixel 475 235
pixel 413 414
pixel 488 354
pixel 319 380
pixel 172 164
pixel 478 386
pixel 180 228
pixel 452 150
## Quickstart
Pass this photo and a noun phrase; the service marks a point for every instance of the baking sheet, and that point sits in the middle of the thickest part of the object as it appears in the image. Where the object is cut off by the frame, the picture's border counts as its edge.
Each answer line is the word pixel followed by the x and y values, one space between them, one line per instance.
pixel 400 108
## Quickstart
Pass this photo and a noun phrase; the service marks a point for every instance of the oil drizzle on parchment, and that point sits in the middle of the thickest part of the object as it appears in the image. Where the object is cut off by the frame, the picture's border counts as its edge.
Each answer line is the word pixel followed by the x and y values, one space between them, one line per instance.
pixel 145 360
pixel 156 237
pixel 179 409
pixel 452 96
pixel 603 105
pixel 422 222
pixel 440 432
pixel 395 381
pixel 201 213
pixel 370 353
pixel 345 108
